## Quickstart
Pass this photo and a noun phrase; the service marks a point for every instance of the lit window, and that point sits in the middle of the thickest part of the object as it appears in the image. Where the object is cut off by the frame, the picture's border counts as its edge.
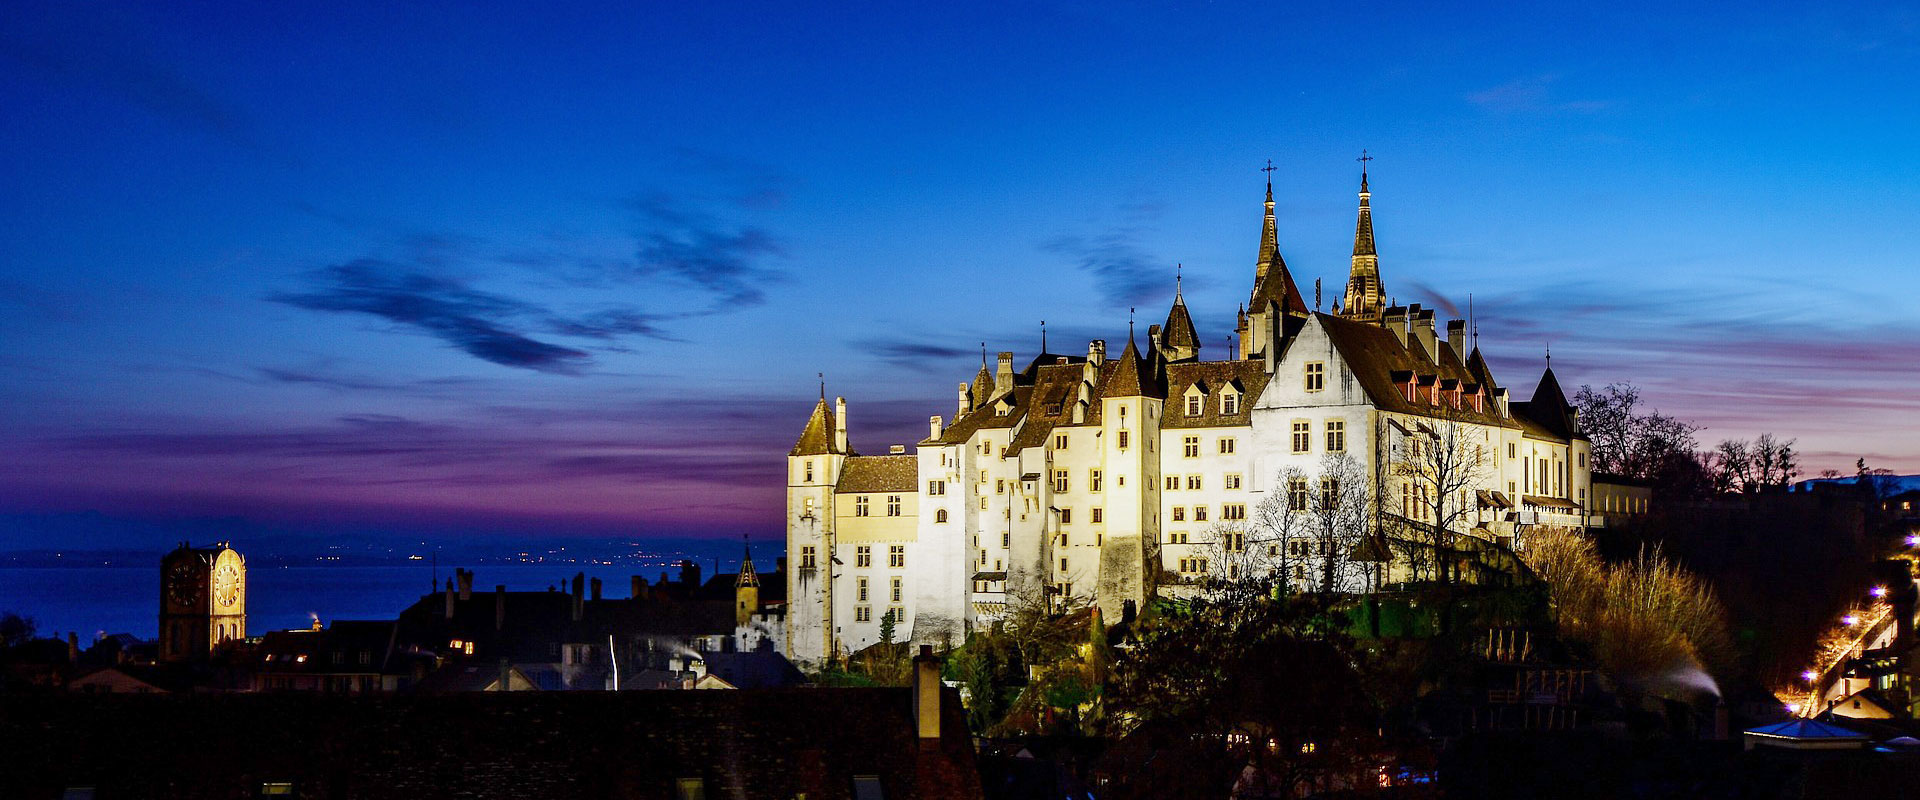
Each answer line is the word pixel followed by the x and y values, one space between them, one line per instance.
pixel 1302 436
pixel 276 788
pixel 1316 376
pixel 1336 436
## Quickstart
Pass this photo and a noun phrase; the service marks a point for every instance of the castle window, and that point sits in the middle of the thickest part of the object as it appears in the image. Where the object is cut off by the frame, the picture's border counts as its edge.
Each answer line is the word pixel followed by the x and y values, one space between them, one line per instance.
pixel 983 558
pixel 893 505
pixel 1179 514
pixel 1336 436
pixel 1230 403
pixel 860 593
pixel 1513 450
pixel 1000 486
pixel 863 614
pixel 936 487
pixel 1060 442
pixel 940 515
pixel 860 506
pixel 1296 494
pixel 863 556
pixel 809 470
pixel 1199 513
pixel 1330 493
pixel 1097 515
pixel 1177 537
pixel 1226 445
pixel 1190 447
pixel 897 555
pixel 1233 480
pixel 807 558
pixel 1093 480
pixel 1066 518
pixel 1193 482
pixel 1302 436
pixel 894 591
pixel 1233 541
pixel 1193 404
pixel 1006 539
pixel 1123 438
pixel 1173 482
pixel 1233 511
pixel 1316 376
pixel 1060 481
pixel 1063 564
pixel 276 788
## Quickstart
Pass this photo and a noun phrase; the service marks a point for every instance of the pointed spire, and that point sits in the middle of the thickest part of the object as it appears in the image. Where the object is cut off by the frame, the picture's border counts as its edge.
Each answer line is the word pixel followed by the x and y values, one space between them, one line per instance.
pixel 1364 289
pixel 817 438
pixel 748 577
pixel 1133 377
pixel 1178 338
pixel 1269 232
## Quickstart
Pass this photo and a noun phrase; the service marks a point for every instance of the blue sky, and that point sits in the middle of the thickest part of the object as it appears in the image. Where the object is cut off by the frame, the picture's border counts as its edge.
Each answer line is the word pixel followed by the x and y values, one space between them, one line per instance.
pixel 340 266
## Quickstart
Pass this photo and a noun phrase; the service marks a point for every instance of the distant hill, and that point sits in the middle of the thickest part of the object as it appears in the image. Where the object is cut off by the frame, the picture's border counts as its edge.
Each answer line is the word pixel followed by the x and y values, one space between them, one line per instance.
pixel 1887 484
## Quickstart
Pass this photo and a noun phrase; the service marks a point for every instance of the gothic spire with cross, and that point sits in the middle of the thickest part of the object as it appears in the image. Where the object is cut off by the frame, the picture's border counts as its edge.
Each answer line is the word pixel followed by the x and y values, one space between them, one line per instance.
pixel 1364 296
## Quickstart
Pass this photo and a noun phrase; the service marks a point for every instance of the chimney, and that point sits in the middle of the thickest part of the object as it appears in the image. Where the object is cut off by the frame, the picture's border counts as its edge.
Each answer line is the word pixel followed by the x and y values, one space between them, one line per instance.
pixel 466 582
pixel 1457 338
pixel 579 595
pixel 697 666
pixel 964 405
pixel 1003 377
pixel 897 449
pixel 596 588
pixel 637 586
pixel 73 647
pixel 499 606
pixel 1396 320
pixel 1420 323
pixel 933 427
pixel 1097 352
pixel 449 593
pixel 840 424
pixel 926 693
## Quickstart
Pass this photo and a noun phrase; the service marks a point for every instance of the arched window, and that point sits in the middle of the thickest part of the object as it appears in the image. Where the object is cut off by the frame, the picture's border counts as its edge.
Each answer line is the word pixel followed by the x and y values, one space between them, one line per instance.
pixel 940 515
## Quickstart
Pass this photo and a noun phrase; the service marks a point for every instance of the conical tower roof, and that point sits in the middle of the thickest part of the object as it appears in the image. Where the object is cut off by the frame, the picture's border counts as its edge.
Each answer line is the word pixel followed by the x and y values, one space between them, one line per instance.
pixel 1134 377
pixel 1179 331
pixel 748 577
pixel 817 437
pixel 1365 295
pixel 982 385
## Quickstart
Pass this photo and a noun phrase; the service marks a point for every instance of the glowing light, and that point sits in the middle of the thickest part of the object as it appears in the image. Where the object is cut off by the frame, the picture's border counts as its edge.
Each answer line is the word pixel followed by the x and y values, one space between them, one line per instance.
pixel 1850 619
pixel 1810 676
pixel 1913 540
pixel 1878 591
pixel 1793 708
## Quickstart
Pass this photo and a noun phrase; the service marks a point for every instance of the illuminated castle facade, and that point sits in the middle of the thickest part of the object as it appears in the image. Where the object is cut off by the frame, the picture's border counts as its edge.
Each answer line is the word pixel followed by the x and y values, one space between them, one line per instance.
pixel 1103 478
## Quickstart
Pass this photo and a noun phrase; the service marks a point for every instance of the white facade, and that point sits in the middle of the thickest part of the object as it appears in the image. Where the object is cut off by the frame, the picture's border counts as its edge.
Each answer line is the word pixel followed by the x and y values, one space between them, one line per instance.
pixel 1104 480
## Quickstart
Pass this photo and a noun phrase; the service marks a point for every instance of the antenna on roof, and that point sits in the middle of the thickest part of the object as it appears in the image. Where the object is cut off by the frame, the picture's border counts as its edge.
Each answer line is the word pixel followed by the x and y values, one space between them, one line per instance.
pixel 1316 294
pixel 1549 355
pixel 1473 322
pixel 1043 337
pixel 1176 279
pixel 823 385
pixel 1129 325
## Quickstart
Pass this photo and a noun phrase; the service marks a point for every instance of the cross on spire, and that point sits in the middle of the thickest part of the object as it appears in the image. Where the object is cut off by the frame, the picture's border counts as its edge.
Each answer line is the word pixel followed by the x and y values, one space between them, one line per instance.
pixel 1363 159
pixel 1043 337
pixel 1176 278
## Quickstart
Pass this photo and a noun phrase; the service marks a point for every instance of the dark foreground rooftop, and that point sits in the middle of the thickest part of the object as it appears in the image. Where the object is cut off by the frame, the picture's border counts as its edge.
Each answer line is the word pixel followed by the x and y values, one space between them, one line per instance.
pixel 783 743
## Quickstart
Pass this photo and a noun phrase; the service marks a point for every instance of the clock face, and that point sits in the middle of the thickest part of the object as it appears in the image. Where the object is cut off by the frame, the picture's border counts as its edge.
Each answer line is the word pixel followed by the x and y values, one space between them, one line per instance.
pixel 226 585
pixel 182 588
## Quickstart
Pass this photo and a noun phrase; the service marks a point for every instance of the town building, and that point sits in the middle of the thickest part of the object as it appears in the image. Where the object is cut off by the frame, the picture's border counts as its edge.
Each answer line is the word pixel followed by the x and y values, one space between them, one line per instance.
pixel 1107 478
pixel 203 600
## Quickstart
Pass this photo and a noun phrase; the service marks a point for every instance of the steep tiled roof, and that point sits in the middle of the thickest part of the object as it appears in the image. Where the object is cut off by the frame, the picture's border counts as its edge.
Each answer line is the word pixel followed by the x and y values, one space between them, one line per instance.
pixel 879 474
pixel 1374 354
pixel 1179 332
pixel 1134 377
pixel 1249 376
pixel 817 437
pixel 1549 408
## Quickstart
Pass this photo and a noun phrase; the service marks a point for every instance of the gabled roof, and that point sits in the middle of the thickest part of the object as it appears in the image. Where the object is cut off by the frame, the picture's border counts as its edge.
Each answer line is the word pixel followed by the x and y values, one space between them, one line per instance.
pixel 1250 377
pixel 1549 410
pixel 1134 377
pixel 1374 354
pixel 879 474
pixel 817 437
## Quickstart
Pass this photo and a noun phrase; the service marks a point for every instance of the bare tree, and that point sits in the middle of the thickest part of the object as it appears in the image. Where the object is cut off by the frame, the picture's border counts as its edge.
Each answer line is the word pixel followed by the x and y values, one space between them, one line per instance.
pixel 1766 464
pixel 1279 519
pixel 1337 516
pixel 1441 461
pixel 1626 441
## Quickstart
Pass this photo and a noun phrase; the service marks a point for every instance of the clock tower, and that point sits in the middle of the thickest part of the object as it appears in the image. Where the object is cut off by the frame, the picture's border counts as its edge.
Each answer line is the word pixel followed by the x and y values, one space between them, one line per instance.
pixel 203 600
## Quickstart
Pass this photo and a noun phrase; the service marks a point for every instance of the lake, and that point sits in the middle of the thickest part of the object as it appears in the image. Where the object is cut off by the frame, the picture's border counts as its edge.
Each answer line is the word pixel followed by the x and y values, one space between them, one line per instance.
pixel 91 600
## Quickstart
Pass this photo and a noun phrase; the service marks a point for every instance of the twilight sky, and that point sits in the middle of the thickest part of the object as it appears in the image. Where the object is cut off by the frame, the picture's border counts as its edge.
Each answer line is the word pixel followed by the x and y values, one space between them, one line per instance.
pixel 385 267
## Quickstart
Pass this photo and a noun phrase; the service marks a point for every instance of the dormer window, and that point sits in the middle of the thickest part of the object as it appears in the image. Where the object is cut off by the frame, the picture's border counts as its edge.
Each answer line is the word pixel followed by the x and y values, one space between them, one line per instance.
pixel 1193 404
pixel 1230 402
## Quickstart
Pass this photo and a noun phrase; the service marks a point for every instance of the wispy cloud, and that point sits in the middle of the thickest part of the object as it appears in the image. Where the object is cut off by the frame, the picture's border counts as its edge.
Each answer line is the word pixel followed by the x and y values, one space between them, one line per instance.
pixel 680 242
pixel 1532 94
pixel 912 354
pixel 1124 272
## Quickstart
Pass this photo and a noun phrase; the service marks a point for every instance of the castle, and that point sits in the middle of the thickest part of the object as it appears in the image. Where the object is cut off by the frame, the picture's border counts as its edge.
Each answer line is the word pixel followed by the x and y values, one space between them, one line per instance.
pixel 1106 479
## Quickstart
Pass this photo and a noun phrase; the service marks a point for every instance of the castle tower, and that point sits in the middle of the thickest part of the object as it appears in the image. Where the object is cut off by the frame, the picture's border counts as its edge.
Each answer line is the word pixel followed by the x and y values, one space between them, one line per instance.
pixel 1178 340
pixel 1365 298
pixel 1275 297
pixel 746 590
pixel 1130 413
pixel 203 600
pixel 813 468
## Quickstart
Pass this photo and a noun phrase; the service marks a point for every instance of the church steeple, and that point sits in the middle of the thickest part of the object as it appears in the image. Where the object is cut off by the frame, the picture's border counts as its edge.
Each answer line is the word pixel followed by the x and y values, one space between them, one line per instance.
pixel 1275 297
pixel 746 590
pixel 1269 233
pixel 1365 295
